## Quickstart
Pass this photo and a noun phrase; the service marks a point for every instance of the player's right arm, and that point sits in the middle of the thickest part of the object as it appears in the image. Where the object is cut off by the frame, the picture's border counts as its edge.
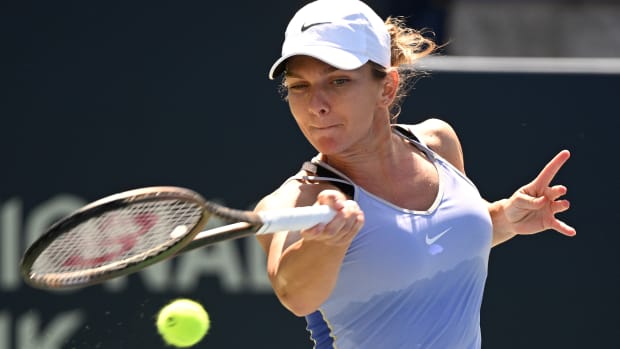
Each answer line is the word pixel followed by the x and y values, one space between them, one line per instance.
pixel 303 265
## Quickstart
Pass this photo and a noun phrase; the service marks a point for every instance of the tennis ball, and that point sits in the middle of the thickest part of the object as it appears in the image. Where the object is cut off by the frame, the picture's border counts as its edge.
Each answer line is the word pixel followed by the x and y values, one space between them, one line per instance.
pixel 183 322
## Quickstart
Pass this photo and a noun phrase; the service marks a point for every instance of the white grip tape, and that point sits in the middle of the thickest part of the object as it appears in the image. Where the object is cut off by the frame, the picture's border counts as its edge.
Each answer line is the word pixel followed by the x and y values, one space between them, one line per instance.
pixel 296 218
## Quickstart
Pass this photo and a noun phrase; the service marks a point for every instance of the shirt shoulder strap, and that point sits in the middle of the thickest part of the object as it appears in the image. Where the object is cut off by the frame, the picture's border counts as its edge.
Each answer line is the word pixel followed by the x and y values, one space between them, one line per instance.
pixel 406 133
pixel 319 173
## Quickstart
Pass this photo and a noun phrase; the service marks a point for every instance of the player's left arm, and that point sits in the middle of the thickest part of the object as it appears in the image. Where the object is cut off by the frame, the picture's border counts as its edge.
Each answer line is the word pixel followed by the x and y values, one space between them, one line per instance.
pixel 531 209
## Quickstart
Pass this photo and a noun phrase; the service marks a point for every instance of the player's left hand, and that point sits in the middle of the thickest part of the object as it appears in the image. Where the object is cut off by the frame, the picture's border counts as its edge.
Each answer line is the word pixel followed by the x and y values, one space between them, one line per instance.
pixel 533 207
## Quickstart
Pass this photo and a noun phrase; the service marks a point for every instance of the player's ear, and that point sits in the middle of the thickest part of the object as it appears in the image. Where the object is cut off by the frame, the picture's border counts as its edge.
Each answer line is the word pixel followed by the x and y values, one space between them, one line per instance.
pixel 389 87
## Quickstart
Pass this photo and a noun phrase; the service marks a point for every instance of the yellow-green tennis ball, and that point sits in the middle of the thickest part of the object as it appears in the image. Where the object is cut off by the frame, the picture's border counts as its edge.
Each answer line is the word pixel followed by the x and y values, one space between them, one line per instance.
pixel 183 322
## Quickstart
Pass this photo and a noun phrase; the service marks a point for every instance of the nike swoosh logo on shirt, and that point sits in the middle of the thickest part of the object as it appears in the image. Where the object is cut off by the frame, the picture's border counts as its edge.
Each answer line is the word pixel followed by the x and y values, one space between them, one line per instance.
pixel 430 241
pixel 305 27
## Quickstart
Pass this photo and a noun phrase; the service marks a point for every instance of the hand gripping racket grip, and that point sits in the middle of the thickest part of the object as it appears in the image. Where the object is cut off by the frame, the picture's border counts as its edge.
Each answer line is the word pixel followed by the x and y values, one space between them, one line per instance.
pixel 296 218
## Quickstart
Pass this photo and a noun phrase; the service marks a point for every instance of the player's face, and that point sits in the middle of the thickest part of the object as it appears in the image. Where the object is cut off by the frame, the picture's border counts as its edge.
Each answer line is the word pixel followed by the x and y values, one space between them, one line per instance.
pixel 335 109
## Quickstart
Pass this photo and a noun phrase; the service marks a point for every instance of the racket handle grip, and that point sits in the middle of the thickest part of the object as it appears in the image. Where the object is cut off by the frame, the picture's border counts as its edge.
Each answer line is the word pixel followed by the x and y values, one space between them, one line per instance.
pixel 295 218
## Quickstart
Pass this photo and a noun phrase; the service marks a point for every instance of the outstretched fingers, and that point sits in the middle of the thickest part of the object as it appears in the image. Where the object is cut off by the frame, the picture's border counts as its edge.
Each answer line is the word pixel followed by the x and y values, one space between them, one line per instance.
pixel 548 173
pixel 555 192
pixel 563 228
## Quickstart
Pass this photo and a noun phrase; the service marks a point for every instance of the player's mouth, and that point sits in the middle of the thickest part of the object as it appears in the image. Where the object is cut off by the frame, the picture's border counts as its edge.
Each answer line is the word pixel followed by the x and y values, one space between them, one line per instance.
pixel 326 128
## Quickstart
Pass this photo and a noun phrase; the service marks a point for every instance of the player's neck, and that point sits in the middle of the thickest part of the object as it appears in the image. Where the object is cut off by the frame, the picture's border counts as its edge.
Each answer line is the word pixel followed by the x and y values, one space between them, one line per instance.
pixel 369 163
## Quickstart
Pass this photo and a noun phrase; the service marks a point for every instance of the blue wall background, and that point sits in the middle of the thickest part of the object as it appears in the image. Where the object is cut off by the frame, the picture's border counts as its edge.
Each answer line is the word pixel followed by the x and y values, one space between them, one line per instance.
pixel 108 96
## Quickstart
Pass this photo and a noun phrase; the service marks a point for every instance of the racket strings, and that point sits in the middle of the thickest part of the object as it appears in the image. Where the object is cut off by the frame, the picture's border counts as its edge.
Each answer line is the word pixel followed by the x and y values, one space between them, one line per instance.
pixel 133 232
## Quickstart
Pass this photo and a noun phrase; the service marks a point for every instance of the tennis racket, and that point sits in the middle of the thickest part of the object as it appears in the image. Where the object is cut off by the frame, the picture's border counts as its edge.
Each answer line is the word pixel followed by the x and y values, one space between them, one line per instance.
pixel 126 232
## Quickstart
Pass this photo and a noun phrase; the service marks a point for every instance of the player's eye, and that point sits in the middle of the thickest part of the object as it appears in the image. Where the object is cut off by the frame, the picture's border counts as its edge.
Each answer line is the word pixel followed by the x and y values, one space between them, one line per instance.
pixel 297 87
pixel 340 81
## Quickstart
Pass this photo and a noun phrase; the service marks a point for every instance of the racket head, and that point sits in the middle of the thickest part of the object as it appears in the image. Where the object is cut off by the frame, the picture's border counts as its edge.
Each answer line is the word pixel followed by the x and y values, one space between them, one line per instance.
pixel 114 236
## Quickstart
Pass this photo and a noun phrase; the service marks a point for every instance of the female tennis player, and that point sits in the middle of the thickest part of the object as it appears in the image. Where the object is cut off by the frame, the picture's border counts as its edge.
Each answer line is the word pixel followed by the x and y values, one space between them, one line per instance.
pixel 403 264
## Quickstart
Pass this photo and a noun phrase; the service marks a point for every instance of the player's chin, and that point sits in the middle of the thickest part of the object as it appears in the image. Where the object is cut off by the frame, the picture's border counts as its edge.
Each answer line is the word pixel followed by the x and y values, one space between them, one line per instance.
pixel 328 145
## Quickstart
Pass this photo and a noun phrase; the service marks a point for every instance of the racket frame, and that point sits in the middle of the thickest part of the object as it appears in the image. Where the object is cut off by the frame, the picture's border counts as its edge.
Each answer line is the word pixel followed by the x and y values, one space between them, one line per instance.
pixel 96 275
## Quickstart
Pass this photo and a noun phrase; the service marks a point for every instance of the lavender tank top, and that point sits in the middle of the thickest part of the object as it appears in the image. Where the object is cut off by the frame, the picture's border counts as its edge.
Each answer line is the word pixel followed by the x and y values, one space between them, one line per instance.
pixel 411 279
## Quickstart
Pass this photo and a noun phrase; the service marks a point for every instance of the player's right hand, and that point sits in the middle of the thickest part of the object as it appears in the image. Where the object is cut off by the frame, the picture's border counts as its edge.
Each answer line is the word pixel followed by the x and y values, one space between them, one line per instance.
pixel 343 227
